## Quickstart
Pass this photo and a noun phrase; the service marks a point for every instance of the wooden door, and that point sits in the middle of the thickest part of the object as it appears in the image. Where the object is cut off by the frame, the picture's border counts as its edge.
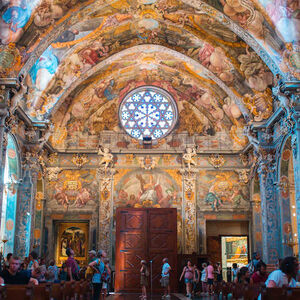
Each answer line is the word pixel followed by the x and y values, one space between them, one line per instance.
pixel 144 233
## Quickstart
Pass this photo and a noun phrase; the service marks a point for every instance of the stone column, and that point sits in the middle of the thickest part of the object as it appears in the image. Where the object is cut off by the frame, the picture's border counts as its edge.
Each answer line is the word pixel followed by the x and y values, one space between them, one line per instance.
pixel 189 211
pixel 25 209
pixel 296 157
pixel 105 208
pixel 271 231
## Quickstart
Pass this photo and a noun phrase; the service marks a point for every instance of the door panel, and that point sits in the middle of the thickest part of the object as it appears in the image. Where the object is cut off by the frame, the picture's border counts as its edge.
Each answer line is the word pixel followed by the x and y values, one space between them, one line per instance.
pixel 146 233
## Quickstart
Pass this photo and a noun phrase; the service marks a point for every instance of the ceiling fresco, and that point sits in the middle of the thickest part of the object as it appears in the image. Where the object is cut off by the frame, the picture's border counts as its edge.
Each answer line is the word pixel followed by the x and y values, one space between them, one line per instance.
pixel 216 58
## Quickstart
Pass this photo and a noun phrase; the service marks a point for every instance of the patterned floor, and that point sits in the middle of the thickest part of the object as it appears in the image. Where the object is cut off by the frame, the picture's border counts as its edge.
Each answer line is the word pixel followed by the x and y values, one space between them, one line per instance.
pixel 153 297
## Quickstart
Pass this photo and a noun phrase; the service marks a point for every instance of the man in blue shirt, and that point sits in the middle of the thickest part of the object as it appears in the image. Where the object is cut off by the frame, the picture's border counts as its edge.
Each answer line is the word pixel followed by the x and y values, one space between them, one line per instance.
pixel 165 279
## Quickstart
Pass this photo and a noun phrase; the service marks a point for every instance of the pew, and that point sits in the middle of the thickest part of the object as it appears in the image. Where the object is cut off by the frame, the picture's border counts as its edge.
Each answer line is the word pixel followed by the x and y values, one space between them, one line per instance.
pixel 20 292
pixel 56 292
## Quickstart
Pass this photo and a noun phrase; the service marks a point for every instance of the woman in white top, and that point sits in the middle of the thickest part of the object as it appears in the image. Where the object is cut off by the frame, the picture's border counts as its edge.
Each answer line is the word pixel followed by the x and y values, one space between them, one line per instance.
pixel 285 276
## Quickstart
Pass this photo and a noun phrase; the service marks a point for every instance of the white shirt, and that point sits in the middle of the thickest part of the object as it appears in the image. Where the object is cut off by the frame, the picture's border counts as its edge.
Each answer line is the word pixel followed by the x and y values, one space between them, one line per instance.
pixel 280 279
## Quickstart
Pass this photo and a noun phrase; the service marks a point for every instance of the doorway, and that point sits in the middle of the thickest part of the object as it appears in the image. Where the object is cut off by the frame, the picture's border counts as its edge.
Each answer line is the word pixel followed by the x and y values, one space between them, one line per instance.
pixel 234 249
pixel 149 234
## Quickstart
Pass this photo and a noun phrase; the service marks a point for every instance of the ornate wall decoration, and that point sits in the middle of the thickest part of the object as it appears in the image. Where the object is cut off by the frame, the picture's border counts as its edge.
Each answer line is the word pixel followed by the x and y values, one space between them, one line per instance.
pixel 243 176
pixel 189 227
pixel 10 59
pixel 52 173
pixel 79 160
pixel 148 162
pixel 218 191
pixel 106 209
pixel 216 160
pixel 190 157
pixel 74 189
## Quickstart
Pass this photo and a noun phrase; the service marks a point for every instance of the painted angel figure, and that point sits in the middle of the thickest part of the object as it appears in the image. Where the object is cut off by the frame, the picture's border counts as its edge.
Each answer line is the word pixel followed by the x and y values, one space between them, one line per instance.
pixel 43 140
pixel 188 157
pixel 107 157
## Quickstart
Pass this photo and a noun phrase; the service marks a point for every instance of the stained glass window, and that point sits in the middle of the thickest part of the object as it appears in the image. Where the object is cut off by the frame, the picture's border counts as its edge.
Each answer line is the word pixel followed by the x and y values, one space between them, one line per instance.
pixel 148 112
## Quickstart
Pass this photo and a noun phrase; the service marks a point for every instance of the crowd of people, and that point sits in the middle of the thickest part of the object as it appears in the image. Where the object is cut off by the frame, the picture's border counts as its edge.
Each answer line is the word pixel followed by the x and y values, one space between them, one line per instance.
pixel 201 280
pixel 35 271
pixel 197 280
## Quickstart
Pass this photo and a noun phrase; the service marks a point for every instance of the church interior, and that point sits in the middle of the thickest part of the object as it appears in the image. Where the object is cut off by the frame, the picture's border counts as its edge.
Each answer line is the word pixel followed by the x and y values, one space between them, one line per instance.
pixel 183 113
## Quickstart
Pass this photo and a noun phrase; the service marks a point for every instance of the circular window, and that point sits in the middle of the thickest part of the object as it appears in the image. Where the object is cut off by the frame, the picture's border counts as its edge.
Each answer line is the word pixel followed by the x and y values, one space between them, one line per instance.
pixel 148 112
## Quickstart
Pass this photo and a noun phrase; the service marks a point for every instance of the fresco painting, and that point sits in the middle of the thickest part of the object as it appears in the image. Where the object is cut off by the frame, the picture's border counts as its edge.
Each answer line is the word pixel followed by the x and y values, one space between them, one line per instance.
pixel 219 191
pixel 147 189
pixel 74 188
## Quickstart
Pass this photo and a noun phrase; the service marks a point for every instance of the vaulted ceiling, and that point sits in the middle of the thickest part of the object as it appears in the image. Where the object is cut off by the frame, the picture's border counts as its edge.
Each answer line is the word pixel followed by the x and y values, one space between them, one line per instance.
pixel 216 58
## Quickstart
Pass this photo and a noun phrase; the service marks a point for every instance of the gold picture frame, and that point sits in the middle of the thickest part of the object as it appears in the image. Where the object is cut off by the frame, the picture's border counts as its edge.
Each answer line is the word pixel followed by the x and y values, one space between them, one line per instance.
pixel 74 236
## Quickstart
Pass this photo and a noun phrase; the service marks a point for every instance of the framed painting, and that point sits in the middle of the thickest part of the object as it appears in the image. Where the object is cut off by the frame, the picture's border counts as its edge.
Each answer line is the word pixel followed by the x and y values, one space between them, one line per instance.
pixel 74 236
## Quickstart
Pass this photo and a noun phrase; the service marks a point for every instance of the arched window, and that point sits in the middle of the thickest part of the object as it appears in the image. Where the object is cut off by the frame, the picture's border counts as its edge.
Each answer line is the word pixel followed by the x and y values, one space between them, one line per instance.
pixel 148 111
pixel 9 202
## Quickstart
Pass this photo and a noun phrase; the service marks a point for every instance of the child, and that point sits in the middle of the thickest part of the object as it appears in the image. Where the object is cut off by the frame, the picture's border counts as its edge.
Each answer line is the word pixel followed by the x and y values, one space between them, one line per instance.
pixel 204 279
pixel 63 273
pixel 144 281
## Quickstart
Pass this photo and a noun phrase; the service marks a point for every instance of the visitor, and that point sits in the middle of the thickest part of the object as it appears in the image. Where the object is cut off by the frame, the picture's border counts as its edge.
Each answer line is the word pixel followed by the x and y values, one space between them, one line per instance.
pixel 144 279
pixel 6 262
pixel 72 266
pixel 165 279
pixel 210 278
pixel 105 277
pixel 33 261
pixel 196 279
pixel 204 279
pixel 219 272
pixel 12 275
pixel 98 266
pixel 63 274
pixel 243 276
pixel 286 275
pixel 260 276
pixel 54 269
pixel 188 274
pixel 253 263
pixel 92 255
pixel 235 270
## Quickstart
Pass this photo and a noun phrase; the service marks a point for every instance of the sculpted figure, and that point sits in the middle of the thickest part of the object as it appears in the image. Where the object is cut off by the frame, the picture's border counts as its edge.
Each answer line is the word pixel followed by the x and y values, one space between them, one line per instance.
pixel 107 157
pixel 188 157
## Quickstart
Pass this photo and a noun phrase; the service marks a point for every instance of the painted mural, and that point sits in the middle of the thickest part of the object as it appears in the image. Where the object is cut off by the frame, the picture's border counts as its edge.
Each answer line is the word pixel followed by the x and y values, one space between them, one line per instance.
pixel 73 189
pixel 147 189
pixel 221 190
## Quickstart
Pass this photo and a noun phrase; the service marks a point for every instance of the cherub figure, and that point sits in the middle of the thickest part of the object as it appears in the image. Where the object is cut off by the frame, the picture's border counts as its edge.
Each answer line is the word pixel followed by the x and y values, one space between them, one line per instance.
pixel 18 95
pixel 188 157
pixel 43 140
pixel 107 157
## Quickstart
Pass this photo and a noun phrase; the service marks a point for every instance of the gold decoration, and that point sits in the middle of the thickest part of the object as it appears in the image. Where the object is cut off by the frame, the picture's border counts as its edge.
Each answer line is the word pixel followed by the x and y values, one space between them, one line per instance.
pixel 79 160
pixel 148 162
pixel 260 105
pixel 53 158
pixel 53 173
pixel 216 160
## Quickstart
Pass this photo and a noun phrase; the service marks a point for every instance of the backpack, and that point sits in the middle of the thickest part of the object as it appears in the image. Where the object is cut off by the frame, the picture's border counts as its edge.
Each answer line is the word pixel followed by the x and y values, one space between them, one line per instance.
pixel 251 267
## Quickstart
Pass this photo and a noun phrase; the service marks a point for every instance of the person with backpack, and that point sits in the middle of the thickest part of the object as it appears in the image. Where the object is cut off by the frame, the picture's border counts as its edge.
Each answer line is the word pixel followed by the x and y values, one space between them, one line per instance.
pixel 144 279
pixel 98 266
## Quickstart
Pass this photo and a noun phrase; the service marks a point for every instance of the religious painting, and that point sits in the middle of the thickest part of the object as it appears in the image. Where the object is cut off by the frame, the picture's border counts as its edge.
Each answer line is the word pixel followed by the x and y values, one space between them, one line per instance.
pixel 234 250
pixel 147 189
pixel 219 190
pixel 75 237
pixel 73 189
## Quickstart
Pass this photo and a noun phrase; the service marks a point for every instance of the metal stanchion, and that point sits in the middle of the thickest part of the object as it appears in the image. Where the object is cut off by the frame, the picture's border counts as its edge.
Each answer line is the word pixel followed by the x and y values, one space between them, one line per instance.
pixel 151 278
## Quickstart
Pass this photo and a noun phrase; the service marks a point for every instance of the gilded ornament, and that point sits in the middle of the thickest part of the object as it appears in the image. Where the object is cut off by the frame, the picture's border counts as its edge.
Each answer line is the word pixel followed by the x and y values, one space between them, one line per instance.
pixel 53 158
pixel 53 172
pixel 79 160
pixel 260 105
pixel 10 59
pixel 148 162
pixel 216 160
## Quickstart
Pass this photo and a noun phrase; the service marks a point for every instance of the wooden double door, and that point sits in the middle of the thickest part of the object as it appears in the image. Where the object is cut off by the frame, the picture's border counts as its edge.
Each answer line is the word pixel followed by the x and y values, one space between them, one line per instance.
pixel 149 234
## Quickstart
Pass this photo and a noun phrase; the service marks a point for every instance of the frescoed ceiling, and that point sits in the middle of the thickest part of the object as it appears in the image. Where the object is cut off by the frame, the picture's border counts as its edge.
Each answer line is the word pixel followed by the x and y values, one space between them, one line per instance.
pixel 216 58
